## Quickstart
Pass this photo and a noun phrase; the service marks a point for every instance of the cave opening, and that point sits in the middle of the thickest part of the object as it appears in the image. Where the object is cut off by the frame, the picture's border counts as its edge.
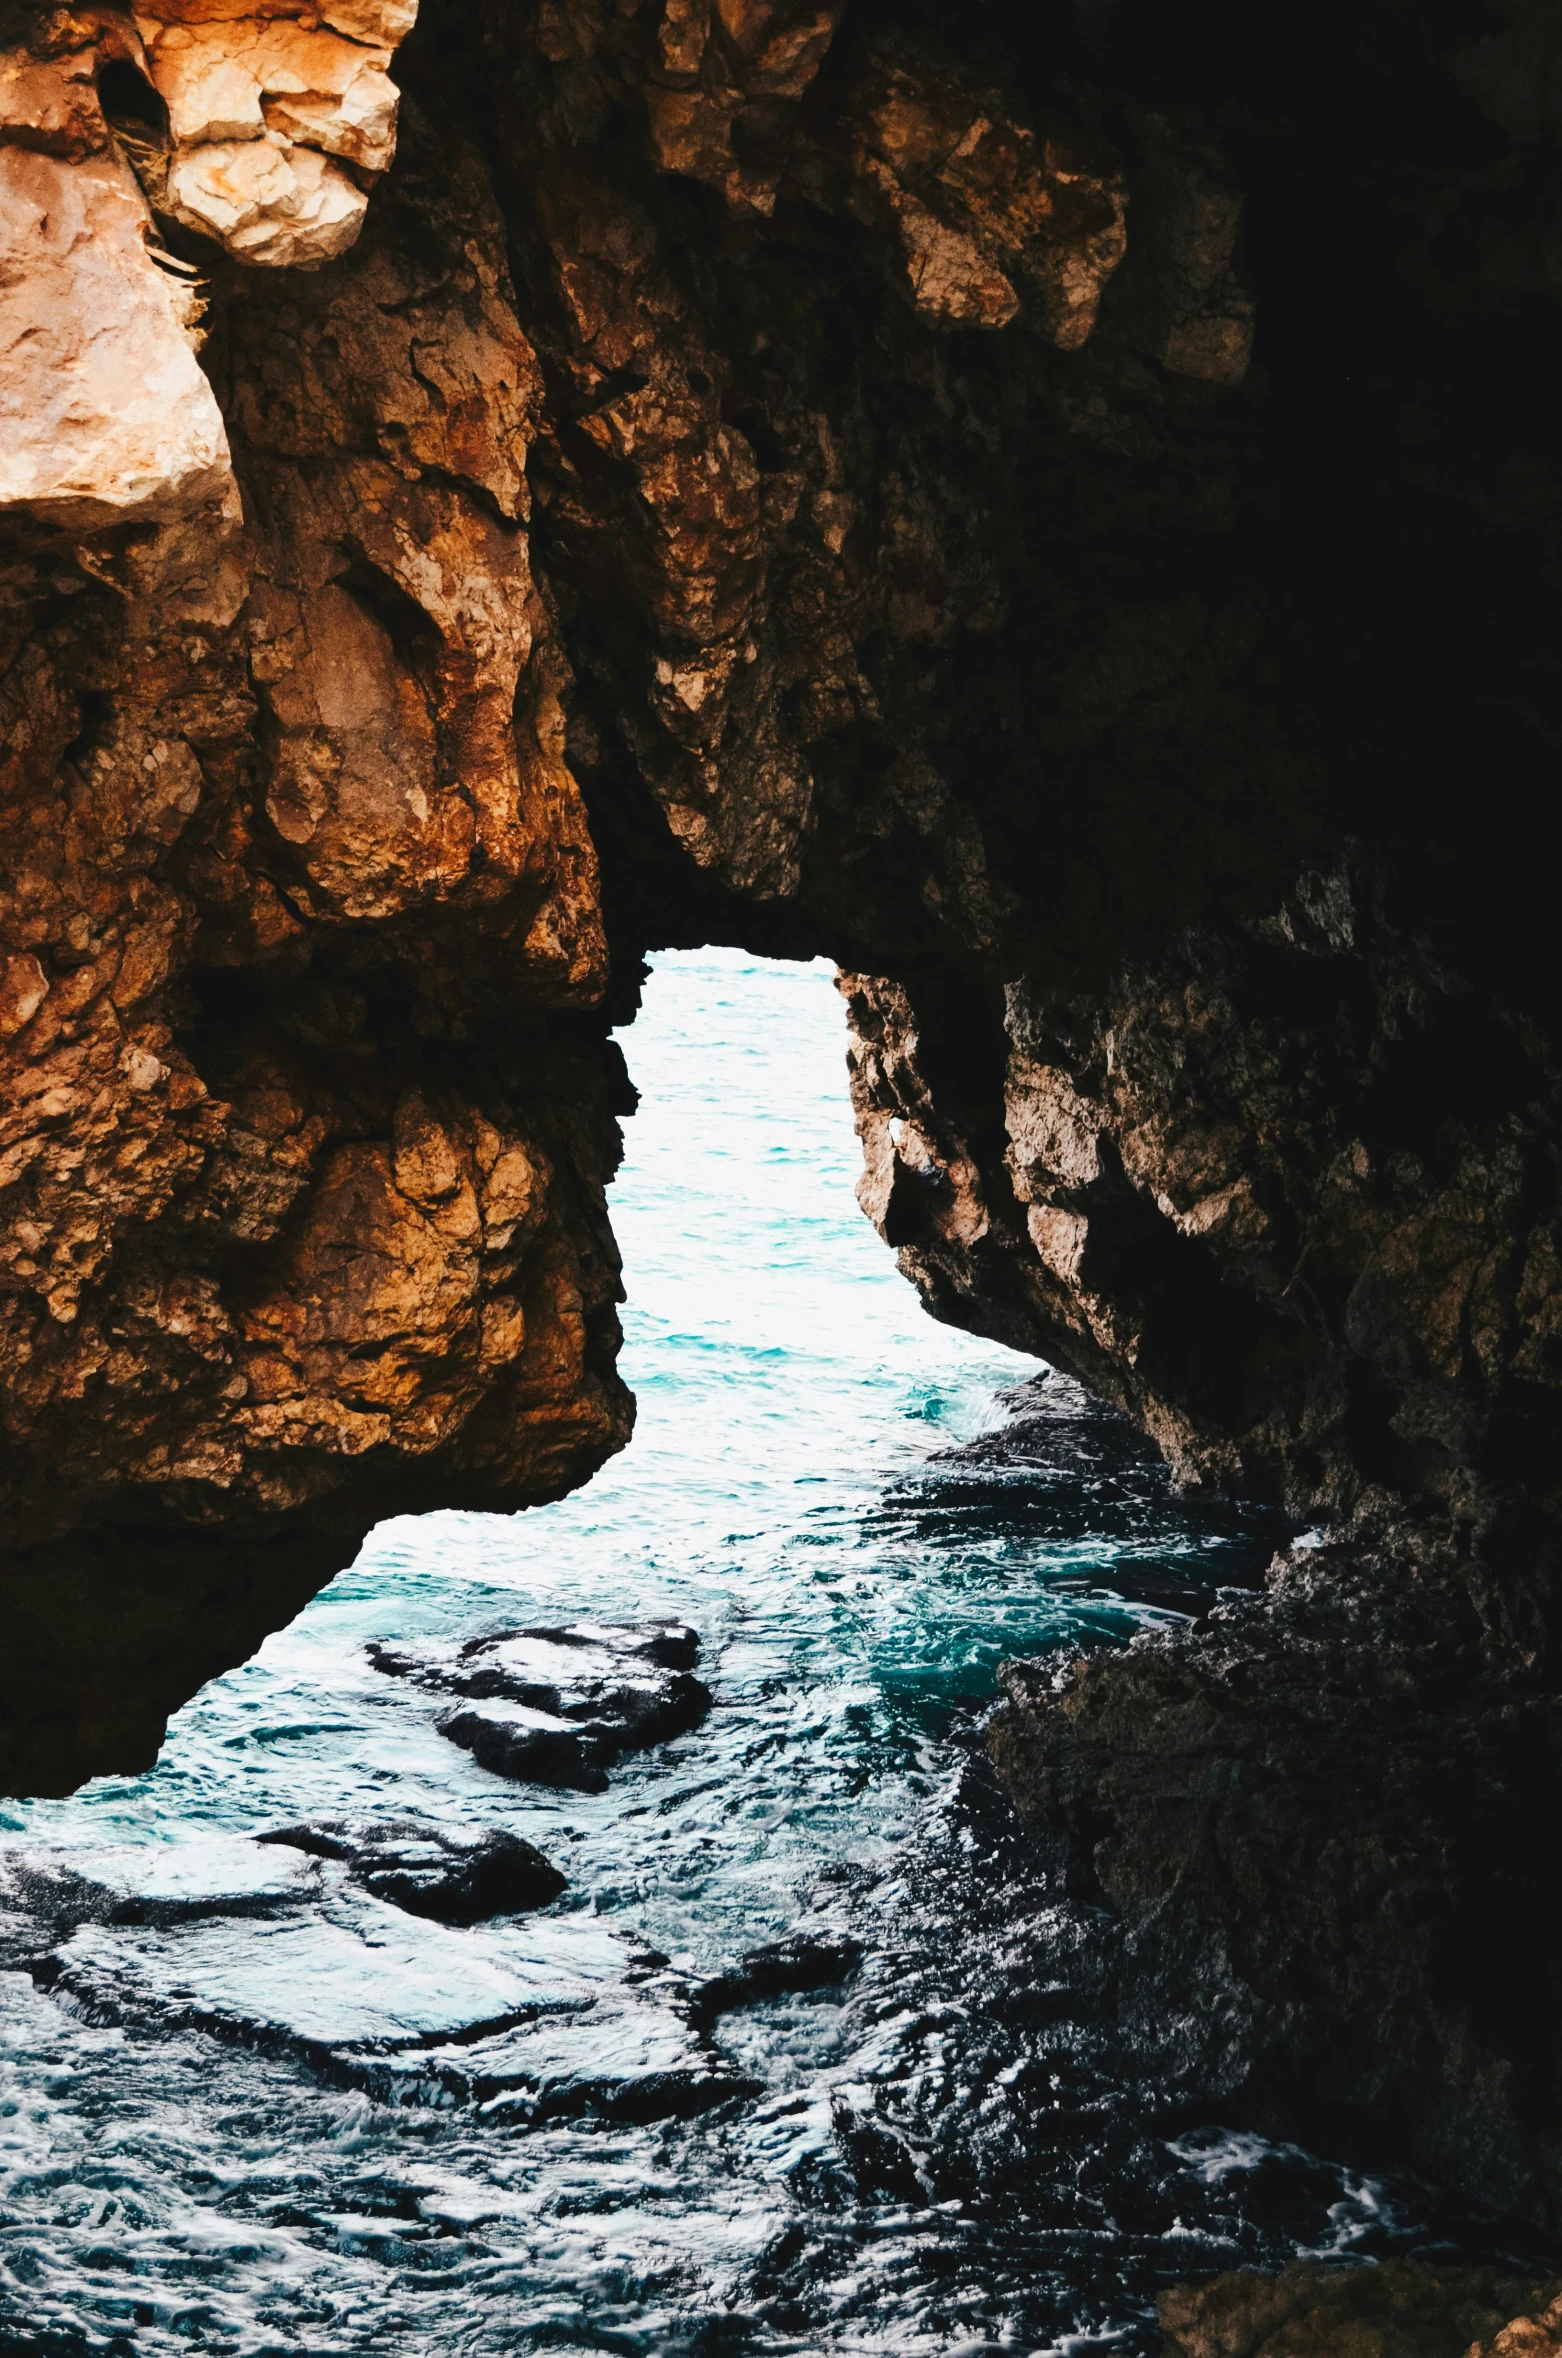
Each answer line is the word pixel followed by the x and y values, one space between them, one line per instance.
pixel 359 2036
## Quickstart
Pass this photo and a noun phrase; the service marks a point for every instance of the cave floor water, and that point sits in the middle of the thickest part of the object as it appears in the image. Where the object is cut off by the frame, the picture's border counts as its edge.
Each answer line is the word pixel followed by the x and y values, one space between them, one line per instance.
pixel 861 1513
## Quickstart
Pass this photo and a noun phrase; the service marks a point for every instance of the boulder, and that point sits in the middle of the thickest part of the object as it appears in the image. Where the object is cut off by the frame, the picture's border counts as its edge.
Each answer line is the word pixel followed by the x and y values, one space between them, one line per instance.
pixel 557 1706
pixel 456 1878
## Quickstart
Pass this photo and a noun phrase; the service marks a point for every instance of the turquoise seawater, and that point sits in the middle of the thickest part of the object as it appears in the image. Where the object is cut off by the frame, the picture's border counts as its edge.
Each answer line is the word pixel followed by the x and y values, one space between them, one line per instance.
pixel 861 1512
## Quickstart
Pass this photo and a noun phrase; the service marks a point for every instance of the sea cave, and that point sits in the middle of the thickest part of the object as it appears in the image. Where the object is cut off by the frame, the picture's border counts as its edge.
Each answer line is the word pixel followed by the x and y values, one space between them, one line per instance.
pixel 595 1755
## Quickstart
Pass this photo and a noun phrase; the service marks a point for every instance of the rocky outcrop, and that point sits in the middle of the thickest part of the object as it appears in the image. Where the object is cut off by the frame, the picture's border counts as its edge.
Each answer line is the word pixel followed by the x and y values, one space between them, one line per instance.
pixel 1287 1195
pixel 560 1706
pixel 1398 2310
pixel 985 501
pixel 283 1212
pixel 455 1877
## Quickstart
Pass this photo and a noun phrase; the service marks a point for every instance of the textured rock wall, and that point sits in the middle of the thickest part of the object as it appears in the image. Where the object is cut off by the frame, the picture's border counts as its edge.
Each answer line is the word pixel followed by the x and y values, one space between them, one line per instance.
pixel 303 1155
pixel 1055 510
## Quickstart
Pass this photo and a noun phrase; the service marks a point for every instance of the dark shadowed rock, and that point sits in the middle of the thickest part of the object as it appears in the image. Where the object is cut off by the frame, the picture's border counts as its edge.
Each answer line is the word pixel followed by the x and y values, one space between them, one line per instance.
pixel 456 1878
pixel 557 1706
pixel 783 1968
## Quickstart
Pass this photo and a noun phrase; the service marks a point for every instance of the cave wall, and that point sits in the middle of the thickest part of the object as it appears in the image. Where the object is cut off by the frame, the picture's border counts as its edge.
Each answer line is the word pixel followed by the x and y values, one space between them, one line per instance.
pixel 305 1148
pixel 1056 512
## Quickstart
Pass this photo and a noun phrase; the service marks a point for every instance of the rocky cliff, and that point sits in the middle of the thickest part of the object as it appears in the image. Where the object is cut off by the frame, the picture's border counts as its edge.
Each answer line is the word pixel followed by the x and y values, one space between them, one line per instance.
pixel 1055 510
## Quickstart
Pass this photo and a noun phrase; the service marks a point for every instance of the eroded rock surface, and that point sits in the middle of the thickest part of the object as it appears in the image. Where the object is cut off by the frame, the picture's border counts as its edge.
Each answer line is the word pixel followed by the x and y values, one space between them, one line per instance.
pixel 1399 2310
pixel 1057 513
pixel 252 1260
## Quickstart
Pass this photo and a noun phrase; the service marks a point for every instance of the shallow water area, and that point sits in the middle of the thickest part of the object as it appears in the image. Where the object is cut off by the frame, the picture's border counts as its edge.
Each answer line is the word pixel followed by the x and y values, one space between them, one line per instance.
pixel 253 2108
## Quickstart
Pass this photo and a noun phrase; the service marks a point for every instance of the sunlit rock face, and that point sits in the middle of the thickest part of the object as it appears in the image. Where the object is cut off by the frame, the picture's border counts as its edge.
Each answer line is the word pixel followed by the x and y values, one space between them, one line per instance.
pixel 1055 512
pixel 284 781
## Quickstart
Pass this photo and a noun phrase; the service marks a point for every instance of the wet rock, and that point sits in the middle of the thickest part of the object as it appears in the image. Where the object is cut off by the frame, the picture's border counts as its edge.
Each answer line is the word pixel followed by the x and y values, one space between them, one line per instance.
pixel 1302 1812
pixel 790 1967
pixel 453 1877
pixel 347 1974
pixel 1300 1820
pixel 881 2164
pixel 531 1746
pixel 558 1706
pixel 626 2059
pixel 44 1892
pixel 319 1957
pixel 1399 2310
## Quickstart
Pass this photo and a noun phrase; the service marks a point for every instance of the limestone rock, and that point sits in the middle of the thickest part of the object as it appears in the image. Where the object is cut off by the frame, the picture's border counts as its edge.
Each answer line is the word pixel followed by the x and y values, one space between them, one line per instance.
pixel 278 122
pixel 266 200
pixel 722 97
pixel 107 421
pixel 415 761
pixel 984 207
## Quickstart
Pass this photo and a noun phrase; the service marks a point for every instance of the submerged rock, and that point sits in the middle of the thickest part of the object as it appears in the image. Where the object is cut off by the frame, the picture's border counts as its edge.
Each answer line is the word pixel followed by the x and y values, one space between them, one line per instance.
pixel 45 1893
pixel 782 1968
pixel 626 2058
pixel 1398 2310
pixel 456 1878
pixel 558 1706
pixel 316 1943
pixel 350 1972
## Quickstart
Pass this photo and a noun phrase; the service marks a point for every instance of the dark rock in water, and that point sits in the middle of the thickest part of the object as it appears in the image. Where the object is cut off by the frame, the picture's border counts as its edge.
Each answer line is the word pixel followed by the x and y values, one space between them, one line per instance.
pixel 515 1741
pixel 558 1706
pixel 454 1878
pixel 1398 2310
pixel 544 2020
pixel 1386 1686
pixel 628 2057
pixel 783 1968
pixel 881 2164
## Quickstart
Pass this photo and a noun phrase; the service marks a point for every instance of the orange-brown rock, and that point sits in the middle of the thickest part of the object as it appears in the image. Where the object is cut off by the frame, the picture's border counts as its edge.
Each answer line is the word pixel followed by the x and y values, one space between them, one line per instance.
pixel 981 204
pixel 261 127
pixel 1401 2309
pixel 263 1263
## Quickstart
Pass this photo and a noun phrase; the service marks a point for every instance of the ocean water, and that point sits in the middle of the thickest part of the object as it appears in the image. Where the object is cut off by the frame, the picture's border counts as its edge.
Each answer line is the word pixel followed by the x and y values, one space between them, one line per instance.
pixel 861 1512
